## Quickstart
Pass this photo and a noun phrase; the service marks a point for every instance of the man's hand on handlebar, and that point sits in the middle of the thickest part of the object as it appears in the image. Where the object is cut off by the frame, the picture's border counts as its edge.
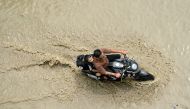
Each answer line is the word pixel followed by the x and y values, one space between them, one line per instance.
pixel 124 52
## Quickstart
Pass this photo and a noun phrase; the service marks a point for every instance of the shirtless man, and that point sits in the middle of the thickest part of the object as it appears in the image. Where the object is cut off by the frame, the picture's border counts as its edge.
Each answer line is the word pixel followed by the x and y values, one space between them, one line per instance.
pixel 100 61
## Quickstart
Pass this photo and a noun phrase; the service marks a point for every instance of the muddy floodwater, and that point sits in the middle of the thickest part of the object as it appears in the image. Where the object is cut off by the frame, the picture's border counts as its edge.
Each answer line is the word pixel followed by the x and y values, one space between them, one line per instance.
pixel 40 40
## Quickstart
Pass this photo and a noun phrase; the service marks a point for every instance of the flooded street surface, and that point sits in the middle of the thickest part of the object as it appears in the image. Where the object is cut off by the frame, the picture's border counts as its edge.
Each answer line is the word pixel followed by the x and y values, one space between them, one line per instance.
pixel 40 40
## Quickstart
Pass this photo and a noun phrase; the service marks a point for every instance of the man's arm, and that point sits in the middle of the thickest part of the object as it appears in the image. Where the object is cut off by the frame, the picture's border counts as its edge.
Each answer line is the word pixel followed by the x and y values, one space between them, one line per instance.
pixel 105 50
pixel 102 71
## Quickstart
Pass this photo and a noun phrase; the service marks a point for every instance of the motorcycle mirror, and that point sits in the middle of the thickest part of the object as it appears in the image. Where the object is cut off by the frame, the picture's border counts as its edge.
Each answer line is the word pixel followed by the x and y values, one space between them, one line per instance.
pixel 124 55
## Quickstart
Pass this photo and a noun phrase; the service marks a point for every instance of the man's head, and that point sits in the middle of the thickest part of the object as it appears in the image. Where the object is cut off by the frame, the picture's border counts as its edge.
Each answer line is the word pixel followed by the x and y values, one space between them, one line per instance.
pixel 88 58
pixel 97 53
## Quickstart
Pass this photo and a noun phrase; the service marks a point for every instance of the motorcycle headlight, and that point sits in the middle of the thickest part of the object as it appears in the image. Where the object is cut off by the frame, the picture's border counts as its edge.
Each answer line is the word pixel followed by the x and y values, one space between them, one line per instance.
pixel 134 66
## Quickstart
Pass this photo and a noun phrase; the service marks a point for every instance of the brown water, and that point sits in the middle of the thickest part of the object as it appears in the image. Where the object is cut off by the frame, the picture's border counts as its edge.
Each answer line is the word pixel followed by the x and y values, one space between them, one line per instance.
pixel 40 40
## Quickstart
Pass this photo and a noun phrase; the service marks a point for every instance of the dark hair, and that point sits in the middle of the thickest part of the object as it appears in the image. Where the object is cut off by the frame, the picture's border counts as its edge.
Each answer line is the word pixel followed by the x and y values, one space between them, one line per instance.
pixel 97 53
pixel 86 58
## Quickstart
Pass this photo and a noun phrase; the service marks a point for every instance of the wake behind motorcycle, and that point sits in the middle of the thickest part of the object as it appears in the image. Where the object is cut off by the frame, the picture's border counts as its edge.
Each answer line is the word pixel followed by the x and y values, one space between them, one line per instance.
pixel 127 67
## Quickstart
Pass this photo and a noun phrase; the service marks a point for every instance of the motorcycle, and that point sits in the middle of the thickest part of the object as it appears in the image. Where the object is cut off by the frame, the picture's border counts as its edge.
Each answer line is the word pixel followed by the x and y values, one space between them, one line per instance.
pixel 127 67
